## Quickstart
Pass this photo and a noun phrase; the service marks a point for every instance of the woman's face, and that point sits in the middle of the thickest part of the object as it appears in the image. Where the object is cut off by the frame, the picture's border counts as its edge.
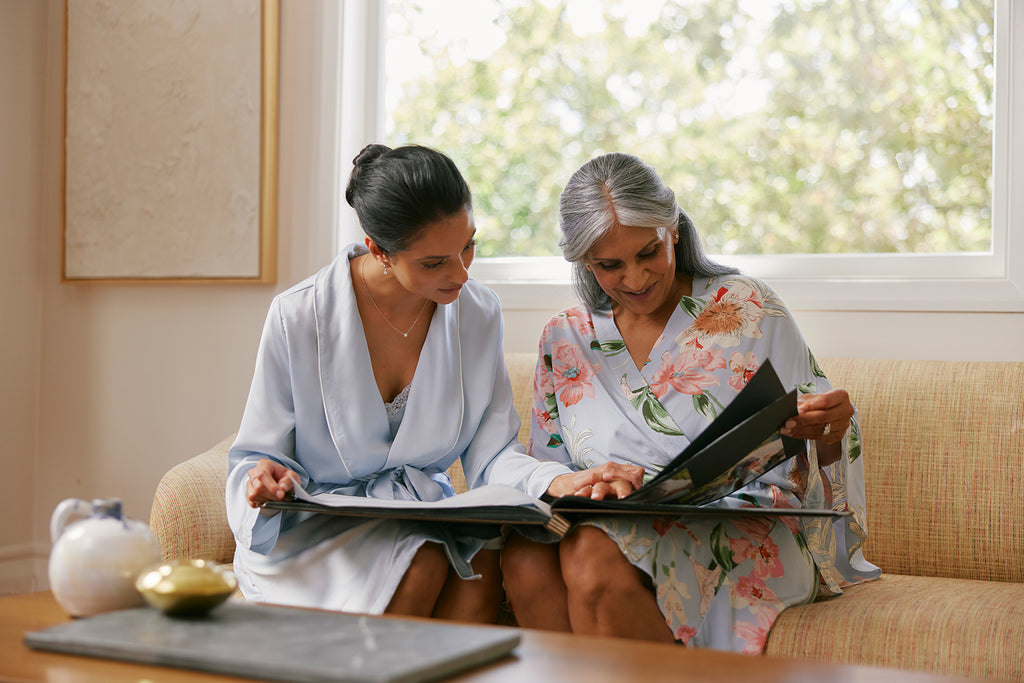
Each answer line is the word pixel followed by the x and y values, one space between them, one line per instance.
pixel 436 264
pixel 636 267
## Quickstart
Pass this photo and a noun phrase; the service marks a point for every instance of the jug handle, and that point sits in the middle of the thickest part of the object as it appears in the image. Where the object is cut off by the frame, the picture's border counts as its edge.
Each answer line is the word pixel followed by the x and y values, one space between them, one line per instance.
pixel 64 510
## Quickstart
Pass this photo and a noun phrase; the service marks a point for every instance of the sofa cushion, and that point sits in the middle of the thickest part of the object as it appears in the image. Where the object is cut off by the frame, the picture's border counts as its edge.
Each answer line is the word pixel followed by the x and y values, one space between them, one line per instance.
pixel 961 627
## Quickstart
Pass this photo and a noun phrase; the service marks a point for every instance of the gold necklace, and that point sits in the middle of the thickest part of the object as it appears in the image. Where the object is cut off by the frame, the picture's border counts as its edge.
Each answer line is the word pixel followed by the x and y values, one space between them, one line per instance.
pixel 362 274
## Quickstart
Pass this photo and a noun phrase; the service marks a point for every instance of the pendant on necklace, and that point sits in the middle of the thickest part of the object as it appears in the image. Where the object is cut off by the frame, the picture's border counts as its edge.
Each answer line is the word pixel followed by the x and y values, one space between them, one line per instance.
pixel 405 334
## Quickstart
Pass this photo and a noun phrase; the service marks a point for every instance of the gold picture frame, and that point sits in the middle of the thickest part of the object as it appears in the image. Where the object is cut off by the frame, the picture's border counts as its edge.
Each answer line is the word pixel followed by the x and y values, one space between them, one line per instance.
pixel 169 168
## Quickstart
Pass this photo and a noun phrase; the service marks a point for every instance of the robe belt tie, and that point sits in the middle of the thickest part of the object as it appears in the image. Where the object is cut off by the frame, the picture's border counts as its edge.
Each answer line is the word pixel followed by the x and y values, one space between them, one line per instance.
pixel 408 482
pixel 413 483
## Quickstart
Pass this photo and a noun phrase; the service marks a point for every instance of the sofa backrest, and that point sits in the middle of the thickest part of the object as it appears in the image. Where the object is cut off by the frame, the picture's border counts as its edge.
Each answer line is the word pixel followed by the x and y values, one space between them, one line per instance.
pixel 944 464
pixel 943 461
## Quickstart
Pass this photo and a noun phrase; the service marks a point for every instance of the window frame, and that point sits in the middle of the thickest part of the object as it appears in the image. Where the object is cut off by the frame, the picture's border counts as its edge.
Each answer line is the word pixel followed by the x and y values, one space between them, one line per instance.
pixel 981 281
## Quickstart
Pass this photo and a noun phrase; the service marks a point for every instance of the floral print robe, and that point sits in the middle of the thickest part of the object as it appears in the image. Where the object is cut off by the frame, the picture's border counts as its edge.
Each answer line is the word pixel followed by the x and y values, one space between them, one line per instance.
pixel 719 583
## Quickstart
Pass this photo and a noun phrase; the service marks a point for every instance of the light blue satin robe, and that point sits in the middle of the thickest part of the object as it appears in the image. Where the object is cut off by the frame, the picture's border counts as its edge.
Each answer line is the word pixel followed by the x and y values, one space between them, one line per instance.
pixel 314 406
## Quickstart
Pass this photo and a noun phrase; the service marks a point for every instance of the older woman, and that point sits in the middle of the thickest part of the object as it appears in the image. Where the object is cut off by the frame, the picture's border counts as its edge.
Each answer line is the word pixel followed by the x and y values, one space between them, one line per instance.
pixel 663 339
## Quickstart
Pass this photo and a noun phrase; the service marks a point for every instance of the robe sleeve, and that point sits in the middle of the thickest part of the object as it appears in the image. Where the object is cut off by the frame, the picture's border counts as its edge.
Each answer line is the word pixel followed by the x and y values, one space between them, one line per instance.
pixel 494 455
pixel 545 424
pixel 836 547
pixel 267 430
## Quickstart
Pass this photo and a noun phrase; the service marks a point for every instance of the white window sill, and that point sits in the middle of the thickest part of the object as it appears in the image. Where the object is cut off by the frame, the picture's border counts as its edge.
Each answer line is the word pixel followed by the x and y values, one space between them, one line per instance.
pixel 544 284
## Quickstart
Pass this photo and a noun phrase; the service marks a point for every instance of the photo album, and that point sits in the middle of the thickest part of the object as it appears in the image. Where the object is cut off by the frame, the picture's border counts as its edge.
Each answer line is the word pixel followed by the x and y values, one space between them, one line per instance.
pixel 741 444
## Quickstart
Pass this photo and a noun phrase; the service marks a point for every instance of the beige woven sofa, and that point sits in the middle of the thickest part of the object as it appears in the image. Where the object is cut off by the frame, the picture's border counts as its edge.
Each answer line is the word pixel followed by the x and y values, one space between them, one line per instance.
pixel 944 458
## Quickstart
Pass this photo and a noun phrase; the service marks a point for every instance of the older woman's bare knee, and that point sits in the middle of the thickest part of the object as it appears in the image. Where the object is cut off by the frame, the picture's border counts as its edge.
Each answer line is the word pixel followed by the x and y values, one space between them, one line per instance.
pixel 593 565
pixel 528 566
pixel 532 574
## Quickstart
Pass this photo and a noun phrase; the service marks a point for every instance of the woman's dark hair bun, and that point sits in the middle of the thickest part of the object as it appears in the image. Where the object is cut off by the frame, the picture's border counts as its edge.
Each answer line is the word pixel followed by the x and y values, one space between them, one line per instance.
pixel 397 192
pixel 367 155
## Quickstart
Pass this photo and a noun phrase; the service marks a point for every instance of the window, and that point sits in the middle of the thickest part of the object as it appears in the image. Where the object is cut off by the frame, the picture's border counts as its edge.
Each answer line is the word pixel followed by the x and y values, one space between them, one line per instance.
pixel 862 145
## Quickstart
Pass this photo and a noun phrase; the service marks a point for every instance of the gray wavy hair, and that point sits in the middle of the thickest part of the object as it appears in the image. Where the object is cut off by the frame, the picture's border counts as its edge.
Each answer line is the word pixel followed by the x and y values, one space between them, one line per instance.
pixel 620 188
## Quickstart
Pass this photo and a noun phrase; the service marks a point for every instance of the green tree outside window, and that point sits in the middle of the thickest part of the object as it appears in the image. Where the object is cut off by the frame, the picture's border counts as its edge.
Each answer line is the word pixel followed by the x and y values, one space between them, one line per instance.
pixel 784 126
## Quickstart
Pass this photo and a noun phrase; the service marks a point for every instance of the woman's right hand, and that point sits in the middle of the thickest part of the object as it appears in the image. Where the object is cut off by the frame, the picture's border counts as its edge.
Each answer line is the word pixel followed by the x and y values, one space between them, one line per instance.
pixel 610 480
pixel 269 480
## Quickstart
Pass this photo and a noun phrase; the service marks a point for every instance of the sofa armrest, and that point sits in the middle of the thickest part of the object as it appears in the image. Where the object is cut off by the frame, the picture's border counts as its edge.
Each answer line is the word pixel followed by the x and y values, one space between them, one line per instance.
pixel 188 514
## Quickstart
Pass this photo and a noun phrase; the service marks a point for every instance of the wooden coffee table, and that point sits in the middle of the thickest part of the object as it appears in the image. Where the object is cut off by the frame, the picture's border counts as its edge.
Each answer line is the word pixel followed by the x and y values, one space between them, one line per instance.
pixel 540 657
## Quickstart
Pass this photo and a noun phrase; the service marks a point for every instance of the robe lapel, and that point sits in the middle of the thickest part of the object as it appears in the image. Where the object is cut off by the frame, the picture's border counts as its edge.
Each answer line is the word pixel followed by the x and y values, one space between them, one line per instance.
pixel 631 380
pixel 355 413
pixel 613 355
pixel 681 319
pixel 621 379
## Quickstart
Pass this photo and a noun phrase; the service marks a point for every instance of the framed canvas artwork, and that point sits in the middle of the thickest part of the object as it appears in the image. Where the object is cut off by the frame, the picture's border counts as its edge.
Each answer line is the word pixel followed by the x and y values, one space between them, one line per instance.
pixel 170 141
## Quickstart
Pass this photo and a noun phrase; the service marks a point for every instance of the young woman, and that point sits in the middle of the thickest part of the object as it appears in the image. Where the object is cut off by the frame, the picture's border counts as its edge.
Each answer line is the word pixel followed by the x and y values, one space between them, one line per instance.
pixel 372 377
pixel 663 340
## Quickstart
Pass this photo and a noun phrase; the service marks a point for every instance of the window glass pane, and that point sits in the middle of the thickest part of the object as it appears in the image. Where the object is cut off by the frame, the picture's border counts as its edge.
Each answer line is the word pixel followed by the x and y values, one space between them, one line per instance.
pixel 784 126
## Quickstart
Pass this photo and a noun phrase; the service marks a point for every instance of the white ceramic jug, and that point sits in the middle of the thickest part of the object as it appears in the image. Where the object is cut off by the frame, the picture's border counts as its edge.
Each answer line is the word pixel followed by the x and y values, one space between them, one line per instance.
pixel 94 561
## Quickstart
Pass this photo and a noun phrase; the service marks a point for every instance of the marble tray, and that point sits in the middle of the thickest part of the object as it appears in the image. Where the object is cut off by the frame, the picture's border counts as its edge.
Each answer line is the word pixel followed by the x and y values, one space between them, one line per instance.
pixel 282 644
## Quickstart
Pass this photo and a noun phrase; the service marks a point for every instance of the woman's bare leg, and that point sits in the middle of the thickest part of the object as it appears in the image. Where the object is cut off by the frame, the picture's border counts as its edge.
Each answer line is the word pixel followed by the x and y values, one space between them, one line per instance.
pixel 606 594
pixel 418 591
pixel 473 600
pixel 534 585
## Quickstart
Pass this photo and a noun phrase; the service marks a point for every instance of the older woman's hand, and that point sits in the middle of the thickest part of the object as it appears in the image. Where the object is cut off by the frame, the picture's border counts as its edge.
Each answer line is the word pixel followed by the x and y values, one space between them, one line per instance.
pixel 269 480
pixel 823 418
pixel 610 480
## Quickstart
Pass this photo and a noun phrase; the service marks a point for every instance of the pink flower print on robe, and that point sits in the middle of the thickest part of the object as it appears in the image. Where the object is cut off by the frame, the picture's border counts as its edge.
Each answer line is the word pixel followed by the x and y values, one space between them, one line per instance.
pixel 546 420
pixel 544 386
pixel 743 366
pixel 579 319
pixel 755 633
pixel 779 500
pixel 684 633
pixel 573 375
pixel 753 591
pixel 688 373
pixel 757 529
pixel 732 314
pixel 759 547
pixel 663 525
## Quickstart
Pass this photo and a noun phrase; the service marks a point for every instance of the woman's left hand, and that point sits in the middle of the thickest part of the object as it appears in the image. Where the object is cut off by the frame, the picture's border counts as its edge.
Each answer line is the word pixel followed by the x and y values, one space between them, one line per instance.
pixel 822 417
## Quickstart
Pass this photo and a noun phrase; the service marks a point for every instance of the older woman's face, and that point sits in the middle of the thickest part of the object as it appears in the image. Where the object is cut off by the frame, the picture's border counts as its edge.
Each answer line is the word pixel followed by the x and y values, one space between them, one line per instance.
pixel 636 267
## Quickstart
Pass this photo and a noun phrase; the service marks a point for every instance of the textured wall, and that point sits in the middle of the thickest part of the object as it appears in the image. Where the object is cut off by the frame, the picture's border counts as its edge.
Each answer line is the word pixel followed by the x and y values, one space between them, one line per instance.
pixel 22 90
pixel 163 121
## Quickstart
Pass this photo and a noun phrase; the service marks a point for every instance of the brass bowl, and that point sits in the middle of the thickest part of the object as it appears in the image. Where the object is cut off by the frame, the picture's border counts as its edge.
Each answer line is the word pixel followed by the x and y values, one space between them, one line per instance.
pixel 186 587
